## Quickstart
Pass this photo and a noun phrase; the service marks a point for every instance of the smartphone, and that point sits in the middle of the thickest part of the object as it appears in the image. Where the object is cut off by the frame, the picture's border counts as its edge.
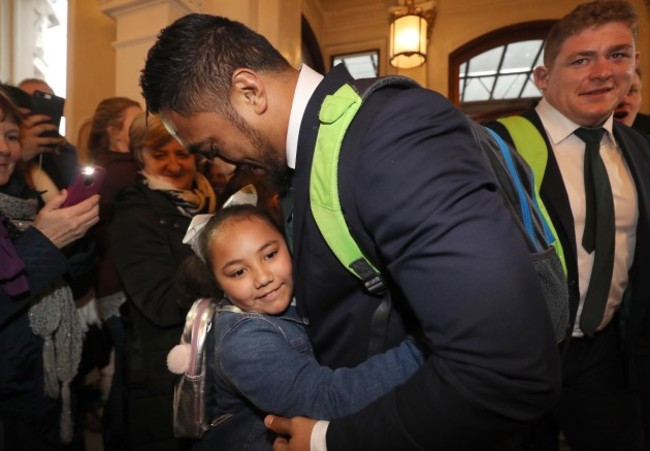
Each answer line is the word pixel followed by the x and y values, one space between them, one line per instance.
pixel 88 182
pixel 51 105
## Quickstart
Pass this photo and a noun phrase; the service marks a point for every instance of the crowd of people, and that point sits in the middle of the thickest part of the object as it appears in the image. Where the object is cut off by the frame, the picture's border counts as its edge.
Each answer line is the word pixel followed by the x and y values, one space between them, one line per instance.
pixel 469 358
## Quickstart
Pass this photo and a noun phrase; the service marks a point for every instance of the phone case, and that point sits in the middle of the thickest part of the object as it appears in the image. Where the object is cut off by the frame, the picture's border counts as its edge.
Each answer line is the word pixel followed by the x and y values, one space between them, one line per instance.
pixel 51 105
pixel 84 186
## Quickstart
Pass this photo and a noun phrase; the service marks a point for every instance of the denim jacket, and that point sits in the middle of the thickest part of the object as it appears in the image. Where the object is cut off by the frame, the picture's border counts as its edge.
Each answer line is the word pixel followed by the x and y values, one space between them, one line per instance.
pixel 259 364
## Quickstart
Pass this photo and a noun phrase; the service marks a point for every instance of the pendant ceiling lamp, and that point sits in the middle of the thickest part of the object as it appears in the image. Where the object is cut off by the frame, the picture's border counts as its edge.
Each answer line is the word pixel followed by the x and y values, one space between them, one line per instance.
pixel 409 31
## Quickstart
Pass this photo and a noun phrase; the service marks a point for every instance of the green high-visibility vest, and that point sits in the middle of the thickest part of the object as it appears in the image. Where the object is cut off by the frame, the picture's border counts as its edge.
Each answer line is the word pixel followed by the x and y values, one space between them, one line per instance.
pixel 530 144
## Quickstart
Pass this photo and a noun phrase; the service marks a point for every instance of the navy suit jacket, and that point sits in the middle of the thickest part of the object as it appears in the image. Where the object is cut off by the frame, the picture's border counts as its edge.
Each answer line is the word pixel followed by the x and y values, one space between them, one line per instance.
pixel 634 315
pixel 458 270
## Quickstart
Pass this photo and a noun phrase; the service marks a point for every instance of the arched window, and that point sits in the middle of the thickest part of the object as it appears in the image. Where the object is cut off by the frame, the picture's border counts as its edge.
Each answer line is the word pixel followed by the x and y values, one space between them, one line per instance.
pixel 491 76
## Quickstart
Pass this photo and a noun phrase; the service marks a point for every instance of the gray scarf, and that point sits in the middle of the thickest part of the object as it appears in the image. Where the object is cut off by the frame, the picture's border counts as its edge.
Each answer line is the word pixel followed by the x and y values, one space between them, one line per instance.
pixel 53 317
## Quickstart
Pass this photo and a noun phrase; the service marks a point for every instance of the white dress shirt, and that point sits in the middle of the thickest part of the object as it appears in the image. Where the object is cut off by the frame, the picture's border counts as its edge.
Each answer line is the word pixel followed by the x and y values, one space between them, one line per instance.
pixel 569 151
pixel 308 81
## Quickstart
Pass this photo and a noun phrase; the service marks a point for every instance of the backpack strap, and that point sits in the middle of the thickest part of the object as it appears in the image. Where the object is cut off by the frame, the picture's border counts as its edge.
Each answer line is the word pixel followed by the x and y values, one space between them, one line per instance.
pixel 336 114
pixel 530 144
pixel 525 208
pixel 197 323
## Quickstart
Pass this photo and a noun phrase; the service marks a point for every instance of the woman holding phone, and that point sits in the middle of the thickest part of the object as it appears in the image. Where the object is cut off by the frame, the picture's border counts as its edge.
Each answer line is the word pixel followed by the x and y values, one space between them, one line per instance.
pixel 147 231
pixel 40 335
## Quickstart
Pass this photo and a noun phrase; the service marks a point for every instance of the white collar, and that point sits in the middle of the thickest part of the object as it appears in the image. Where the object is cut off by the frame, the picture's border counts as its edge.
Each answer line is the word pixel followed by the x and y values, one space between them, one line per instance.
pixel 308 80
pixel 559 127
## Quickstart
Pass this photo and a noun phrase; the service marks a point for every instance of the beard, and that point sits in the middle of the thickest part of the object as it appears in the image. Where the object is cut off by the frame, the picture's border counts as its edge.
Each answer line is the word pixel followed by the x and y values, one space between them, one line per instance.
pixel 273 165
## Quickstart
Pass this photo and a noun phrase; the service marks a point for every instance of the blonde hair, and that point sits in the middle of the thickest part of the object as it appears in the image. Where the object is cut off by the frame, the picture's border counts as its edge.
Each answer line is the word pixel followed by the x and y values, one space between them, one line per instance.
pixel 147 130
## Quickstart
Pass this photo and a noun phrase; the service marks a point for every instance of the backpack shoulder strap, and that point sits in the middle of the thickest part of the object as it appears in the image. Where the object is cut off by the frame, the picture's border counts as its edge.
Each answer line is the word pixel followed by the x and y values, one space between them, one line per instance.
pixel 366 86
pixel 190 404
pixel 197 324
pixel 336 114
pixel 530 144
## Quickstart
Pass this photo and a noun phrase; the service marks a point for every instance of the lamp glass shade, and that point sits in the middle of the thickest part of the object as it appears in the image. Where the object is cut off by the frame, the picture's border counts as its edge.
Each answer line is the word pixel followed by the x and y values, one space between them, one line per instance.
pixel 408 41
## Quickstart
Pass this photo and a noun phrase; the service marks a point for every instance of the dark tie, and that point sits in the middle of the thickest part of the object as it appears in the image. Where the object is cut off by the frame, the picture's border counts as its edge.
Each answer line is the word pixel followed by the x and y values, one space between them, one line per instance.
pixel 599 230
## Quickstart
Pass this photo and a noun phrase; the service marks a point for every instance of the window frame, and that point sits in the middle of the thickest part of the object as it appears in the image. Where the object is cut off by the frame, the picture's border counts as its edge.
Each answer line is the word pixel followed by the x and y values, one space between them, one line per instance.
pixel 377 51
pixel 507 35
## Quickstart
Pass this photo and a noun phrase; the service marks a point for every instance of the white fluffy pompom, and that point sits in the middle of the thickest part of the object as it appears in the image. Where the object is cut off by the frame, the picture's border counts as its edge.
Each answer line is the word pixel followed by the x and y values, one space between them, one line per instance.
pixel 178 359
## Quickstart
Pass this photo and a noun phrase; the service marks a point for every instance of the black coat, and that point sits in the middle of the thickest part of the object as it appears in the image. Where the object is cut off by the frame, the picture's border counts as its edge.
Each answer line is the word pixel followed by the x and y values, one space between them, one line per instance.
pixel 24 407
pixel 121 170
pixel 146 232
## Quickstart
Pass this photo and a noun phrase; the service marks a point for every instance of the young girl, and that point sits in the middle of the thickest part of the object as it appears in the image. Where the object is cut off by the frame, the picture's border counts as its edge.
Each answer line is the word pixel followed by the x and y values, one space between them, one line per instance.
pixel 262 360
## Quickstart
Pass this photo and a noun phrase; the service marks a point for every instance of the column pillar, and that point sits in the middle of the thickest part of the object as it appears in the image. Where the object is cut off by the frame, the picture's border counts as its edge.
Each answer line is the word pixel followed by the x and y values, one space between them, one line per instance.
pixel 277 20
pixel 138 22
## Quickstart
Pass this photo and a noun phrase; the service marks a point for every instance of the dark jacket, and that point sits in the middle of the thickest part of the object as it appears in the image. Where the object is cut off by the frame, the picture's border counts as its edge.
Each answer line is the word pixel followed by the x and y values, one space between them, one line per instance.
pixel 23 403
pixel 147 231
pixel 642 125
pixel 20 349
pixel 121 170
pixel 456 265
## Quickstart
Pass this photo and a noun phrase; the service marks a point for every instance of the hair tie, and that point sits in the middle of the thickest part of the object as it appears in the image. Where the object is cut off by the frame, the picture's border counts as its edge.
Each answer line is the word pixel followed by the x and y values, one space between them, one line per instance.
pixel 245 196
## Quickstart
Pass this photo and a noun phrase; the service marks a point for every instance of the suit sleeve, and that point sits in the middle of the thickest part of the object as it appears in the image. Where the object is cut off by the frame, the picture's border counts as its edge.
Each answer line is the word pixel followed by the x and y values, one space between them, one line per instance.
pixel 451 247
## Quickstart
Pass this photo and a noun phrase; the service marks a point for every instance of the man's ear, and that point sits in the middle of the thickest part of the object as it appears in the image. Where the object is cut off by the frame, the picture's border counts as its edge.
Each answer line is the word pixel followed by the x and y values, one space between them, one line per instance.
pixel 247 90
pixel 540 75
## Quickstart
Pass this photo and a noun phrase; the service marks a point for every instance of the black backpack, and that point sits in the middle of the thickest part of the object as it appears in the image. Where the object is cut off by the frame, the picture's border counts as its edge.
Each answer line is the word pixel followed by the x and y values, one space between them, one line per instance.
pixel 514 183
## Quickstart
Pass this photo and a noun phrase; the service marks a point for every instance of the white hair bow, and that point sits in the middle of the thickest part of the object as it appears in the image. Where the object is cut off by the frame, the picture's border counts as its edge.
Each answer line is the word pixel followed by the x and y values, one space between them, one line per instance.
pixel 245 196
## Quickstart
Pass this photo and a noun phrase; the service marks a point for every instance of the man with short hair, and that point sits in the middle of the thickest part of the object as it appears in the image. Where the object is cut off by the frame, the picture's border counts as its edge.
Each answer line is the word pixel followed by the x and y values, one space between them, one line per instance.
pixel 596 189
pixel 31 85
pixel 458 270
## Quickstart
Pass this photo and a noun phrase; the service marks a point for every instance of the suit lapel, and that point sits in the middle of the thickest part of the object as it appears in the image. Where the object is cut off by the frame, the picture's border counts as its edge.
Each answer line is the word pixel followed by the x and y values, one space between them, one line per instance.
pixel 636 152
pixel 553 193
pixel 638 161
pixel 638 164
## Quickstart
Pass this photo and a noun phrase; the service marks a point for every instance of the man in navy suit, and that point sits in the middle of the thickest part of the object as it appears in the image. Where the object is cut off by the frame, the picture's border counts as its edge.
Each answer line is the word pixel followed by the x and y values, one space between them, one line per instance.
pixel 589 61
pixel 458 270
